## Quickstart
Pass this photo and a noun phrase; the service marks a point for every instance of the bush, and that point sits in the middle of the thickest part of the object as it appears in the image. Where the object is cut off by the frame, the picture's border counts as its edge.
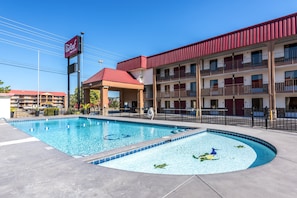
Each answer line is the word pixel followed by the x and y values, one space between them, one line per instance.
pixel 51 111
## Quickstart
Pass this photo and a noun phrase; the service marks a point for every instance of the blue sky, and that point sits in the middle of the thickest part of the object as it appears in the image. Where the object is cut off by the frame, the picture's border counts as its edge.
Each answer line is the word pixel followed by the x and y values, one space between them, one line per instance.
pixel 115 30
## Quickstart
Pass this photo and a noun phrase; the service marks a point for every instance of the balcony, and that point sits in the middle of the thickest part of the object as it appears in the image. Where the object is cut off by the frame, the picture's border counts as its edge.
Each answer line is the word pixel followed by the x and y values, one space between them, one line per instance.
pixel 281 61
pixel 182 93
pixel 233 90
pixel 237 67
pixel 286 87
pixel 175 77
pixel 212 92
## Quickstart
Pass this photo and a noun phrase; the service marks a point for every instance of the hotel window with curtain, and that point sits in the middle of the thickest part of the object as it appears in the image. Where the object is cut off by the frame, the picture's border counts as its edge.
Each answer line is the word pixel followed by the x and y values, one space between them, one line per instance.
pixel 214 85
pixel 291 78
pixel 257 81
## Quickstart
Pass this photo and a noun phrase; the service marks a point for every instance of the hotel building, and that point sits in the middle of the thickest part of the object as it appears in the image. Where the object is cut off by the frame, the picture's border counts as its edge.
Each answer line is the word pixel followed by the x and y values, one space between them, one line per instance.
pixel 251 68
pixel 28 99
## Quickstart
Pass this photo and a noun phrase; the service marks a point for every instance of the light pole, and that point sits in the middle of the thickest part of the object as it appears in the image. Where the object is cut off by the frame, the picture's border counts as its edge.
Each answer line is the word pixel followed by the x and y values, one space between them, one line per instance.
pixel 38 68
pixel 100 61
pixel 82 64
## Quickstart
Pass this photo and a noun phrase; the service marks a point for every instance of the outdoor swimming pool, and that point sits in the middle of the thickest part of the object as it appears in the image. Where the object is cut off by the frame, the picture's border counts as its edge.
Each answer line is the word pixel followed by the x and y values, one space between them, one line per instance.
pixel 203 153
pixel 83 136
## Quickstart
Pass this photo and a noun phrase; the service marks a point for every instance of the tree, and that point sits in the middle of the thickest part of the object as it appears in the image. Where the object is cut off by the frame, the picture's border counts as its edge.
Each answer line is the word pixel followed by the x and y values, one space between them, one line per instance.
pixel 4 89
pixel 114 103
pixel 94 97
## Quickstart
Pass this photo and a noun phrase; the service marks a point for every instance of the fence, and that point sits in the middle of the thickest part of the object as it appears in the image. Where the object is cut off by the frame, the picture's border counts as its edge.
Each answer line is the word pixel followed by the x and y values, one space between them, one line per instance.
pixel 286 118
pixel 259 118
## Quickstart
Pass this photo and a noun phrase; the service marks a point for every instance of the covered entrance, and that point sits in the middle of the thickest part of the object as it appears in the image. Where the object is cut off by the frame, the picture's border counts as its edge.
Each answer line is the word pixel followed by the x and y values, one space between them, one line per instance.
pixel 131 90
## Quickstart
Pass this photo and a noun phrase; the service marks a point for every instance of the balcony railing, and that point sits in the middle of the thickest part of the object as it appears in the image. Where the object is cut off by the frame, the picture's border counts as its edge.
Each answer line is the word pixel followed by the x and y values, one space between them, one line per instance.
pixel 286 87
pixel 280 61
pixel 212 91
pixel 238 89
pixel 237 67
pixel 176 94
pixel 175 77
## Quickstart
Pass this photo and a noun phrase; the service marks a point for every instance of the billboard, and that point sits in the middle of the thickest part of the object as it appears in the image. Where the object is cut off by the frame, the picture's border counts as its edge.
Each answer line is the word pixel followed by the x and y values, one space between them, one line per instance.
pixel 73 47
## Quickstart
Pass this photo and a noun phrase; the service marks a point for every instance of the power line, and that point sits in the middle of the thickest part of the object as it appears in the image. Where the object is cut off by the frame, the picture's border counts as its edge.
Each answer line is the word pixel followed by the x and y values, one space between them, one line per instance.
pixel 30 67
pixel 46 42
pixel 32 32
pixel 28 39
pixel 30 47
pixel 94 49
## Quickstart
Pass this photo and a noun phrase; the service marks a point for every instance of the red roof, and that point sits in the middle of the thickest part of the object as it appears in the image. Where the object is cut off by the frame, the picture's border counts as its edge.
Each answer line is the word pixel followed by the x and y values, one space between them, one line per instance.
pixel 134 63
pixel 268 31
pixel 113 75
pixel 33 93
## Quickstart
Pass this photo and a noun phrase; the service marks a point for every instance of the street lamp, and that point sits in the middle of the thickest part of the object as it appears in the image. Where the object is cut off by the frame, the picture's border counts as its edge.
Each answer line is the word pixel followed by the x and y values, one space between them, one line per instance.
pixel 100 62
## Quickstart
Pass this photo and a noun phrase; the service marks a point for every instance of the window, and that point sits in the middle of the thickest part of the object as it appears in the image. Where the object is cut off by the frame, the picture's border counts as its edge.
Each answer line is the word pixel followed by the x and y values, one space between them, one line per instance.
pixel 213 64
pixel 228 62
pixel 167 88
pixel 179 71
pixel 291 103
pixel 166 71
pixel 193 86
pixel 290 51
pixel 193 89
pixel 257 104
pixel 257 57
pixel 214 104
pixel 257 81
pixel 176 86
pixel 291 78
pixel 182 71
pixel 182 86
pixel 179 86
pixel 167 104
pixel 193 104
pixel 214 84
pixel 193 68
pixel 158 87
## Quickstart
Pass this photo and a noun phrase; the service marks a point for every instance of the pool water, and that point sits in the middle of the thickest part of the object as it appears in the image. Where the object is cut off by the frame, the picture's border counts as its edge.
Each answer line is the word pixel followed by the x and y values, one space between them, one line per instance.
pixel 204 153
pixel 83 136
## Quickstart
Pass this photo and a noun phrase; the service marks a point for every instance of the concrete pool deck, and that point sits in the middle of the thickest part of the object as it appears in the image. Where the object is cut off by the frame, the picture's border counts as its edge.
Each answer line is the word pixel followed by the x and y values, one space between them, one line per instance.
pixel 31 168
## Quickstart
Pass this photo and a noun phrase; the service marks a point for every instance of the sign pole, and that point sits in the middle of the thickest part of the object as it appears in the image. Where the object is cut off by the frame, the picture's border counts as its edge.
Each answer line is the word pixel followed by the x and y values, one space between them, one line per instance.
pixel 78 81
pixel 68 93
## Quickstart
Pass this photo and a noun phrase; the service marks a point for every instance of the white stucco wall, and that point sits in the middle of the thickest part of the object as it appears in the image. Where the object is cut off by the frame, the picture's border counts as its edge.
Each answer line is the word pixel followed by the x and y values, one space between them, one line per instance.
pixel 147 77
pixel 4 106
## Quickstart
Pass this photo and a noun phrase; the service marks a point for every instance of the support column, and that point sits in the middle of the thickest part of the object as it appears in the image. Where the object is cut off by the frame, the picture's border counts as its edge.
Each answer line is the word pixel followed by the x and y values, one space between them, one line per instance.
pixel 155 91
pixel 271 81
pixel 198 88
pixel 104 100
pixel 140 100
pixel 87 95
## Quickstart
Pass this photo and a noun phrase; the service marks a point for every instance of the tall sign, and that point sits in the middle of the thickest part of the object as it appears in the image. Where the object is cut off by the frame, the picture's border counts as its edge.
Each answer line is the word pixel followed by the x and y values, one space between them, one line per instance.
pixel 73 48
